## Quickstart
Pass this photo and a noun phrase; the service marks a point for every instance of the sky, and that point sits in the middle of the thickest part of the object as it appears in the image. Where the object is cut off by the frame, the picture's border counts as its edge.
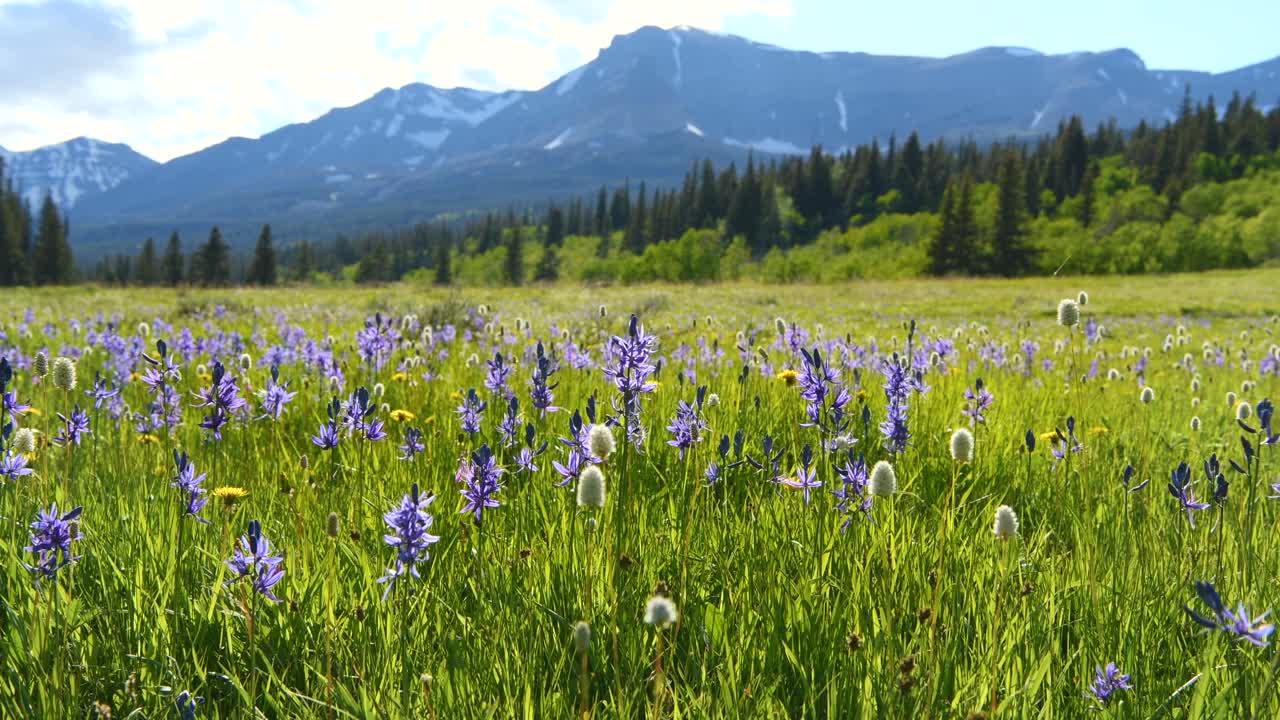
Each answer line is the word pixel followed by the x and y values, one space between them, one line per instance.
pixel 170 77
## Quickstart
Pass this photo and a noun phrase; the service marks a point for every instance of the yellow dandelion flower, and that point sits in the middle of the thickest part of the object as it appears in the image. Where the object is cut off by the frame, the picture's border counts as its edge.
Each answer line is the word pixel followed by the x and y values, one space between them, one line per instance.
pixel 788 376
pixel 455 396
pixel 399 377
pixel 34 411
pixel 402 415
pixel 1051 435
pixel 1099 430
pixel 230 495
pixel 206 377
pixel 134 376
pixel 861 395
pixel 431 420
pixel 148 439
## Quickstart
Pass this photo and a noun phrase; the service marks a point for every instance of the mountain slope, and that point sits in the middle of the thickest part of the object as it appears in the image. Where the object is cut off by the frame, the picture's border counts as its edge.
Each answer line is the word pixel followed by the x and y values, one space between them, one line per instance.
pixel 646 107
pixel 73 171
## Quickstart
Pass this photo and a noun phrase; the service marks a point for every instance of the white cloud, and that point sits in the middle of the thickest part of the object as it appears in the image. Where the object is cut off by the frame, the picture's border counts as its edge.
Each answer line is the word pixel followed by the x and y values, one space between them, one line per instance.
pixel 203 70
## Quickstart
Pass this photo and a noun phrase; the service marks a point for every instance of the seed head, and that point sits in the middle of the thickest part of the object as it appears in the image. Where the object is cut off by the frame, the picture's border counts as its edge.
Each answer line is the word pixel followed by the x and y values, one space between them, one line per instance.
pixel 1195 423
pixel 379 390
pixel 1006 524
pixel 64 374
pixel 601 441
pixel 1231 399
pixel 246 362
pixel 41 364
pixel 1244 411
pixel 884 482
pixel 962 445
pixel 660 611
pixel 780 325
pixel 591 488
pixel 1113 375
pixel 24 441
pixel 1068 313
pixel 1147 395
pixel 582 636
pixel 332 525
pixel 1082 299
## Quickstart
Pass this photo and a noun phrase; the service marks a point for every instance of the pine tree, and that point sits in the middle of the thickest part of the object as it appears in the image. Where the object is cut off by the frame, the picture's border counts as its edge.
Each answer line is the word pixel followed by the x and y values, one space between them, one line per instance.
pixel 215 260
pixel 942 245
pixel 1010 254
pixel 263 269
pixel 48 246
pixel 173 261
pixel 635 239
pixel 444 261
pixel 548 269
pixel 513 265
pixel 12 257
pixel 965 241
pixel 147 271
pixel 1087 195
pixel 555 227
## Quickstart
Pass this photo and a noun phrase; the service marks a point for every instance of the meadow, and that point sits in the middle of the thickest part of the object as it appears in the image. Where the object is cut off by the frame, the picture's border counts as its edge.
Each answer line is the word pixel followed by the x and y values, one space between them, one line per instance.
pixel 898 499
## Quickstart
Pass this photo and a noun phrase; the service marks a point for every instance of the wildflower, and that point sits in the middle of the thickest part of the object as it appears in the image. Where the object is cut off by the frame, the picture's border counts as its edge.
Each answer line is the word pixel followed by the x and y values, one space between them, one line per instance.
pixel 24 441
pixel 100 392
pixel 186 705
pixel 570 468
pixel 412 443
pixel 469 412
pixel 1180 489
pixel 189 483
pixel 275 396
pixel 64 374
pixel 896 390
pixel 482 484
pixel 884 481
pixel 401 416
pixel 591 490
pixel 13 465
pixel 788 376
pixel 1106 681
pixel 687 425
pixel 582 635
pixel 73 427
pixel 230 495
pixel 818 381
pixel 660 611
pixel 222 396
pixel 629 367
pixel 495 379
pixel 327 439
pixel 806 474
pixel 253 559
pixel 977 400
pixel 1006 523
pixel 855 484
pixel 1068 313
pixel 962 445
pixel 409 524
pixel 541 391
pixel 601 442
pixel 1233 622
pixel 51 538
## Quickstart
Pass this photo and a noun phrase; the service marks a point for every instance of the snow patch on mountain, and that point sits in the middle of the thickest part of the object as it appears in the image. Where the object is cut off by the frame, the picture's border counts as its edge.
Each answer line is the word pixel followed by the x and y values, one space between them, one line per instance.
pixel 1103 74
pixel 1038 116
pixel 1124 99
pixel 339 178
pixel 440 107
pixel 393 127
pixel 691 128
pixel 844 114
pixel 429 139
pixel 675 52
pixel 768 145
pixel 558 141
pixel 568 81
pixel 1023 52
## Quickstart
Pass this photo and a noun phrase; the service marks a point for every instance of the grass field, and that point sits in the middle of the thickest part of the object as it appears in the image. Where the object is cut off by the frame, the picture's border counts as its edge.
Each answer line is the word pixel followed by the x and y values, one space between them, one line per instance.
pixel 892 599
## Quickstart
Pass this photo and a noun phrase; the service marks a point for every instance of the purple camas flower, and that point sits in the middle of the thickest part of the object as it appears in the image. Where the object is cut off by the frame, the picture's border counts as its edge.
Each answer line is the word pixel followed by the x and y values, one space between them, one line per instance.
pixel 529 453
pixel 853 493
pixel 897 436
pixel 1106 682
pixel 101 392
pixel 51 538
pixel 13 465
pixel 687 425
pixel 409 524
pixel 1180 488
pixel 376 341
pixel 819 381
pixel 1233 622
pixel 482 485
pixel 495 378
pixel 469 412
pixel 629 365
pixel 806 475
pixel 509 427
pixel 412 443
pixel 189 483
pixel 73 427
pixel 275 396
pixel 253 559
pixel 976 401
pixel 222 397
pixel 541 392
pixel 327 438
pixel 186 705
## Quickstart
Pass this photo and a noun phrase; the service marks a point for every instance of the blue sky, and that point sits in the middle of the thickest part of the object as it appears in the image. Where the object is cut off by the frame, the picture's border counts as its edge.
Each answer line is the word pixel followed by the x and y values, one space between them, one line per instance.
pixel 1170 34
pixel 169 77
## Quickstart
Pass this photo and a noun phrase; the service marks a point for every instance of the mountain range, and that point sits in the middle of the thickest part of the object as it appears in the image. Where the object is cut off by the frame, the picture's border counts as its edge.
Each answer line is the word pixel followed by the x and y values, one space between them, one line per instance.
pixel 645 108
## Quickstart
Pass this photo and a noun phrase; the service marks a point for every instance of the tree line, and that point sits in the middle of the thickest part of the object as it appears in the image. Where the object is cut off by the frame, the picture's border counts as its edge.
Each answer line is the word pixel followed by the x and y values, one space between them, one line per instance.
pixel 35 248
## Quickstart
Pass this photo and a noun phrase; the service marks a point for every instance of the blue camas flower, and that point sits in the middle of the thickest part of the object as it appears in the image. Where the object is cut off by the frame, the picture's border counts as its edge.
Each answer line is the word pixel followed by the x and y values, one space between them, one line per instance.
pixel 73 427
pixel 51 537
pixel 188 482
pixel 1233 622
pixel 482 485
pixel 253 560
pixel 1180 488
pixel 469 412
pixel 806 475
pixel 409 523
pixel 1107 682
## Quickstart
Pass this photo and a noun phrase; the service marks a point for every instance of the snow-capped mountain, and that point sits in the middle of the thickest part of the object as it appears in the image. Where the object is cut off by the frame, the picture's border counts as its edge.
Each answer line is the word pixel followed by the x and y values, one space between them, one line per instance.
pixel 73 170
pixel 645 108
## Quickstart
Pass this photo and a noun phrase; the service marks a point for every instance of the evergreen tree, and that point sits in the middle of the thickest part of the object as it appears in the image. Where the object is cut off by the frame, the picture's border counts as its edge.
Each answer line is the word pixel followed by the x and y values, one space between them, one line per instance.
pixel 942 245
pixel 173 261
pixel 12 258
pixel 513 265
pixel 1010 254
pixel 635 238
pixel 215 260
pixel 1087 193
pixel 148 269
pixel 555 227
pixel 49 269
pixel 444 261
pixel 965 251
pixel 263 269
pixel 548 268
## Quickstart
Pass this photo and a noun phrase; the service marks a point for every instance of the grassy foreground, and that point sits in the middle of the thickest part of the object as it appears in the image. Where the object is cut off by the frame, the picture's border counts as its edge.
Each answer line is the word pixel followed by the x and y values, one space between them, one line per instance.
pixel 791 602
